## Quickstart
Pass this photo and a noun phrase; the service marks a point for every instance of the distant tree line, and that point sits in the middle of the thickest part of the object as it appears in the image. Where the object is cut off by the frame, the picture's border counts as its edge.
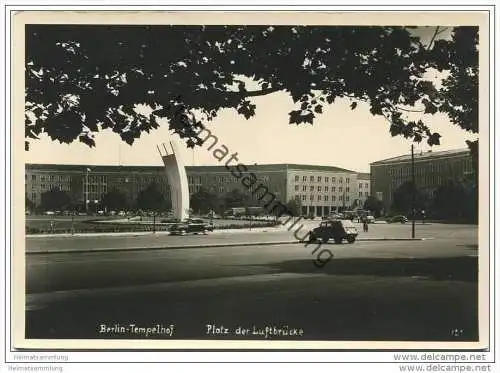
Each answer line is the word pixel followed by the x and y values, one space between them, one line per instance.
pixel 454 200
pixel 204 201
pixel 152 199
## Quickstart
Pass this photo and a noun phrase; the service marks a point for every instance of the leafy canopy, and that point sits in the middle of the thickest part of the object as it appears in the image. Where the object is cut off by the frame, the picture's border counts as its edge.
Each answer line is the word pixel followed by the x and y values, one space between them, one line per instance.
pixel 81 79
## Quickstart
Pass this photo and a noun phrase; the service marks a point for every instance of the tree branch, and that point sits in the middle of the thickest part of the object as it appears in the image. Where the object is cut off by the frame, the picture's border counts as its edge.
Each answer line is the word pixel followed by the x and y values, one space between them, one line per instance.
pixel 261 92
pixel 436 33
pixel 409 110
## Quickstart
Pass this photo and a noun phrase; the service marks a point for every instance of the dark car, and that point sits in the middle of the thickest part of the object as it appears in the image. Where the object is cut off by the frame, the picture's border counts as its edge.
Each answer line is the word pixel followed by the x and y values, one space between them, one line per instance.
pixel 398 219
pixel 337 230
pixel 193 228
pixel 195 221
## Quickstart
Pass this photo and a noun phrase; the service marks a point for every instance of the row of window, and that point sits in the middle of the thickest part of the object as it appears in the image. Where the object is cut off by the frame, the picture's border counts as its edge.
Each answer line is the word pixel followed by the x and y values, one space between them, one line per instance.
pixel 225 179
pixel 321 189
pixel 320 178
pixel 361 185
pixel 361 194
pixel 49 178
pixel 46 187
pixel 420 169
pixel 303 197
pixel 194 179
pixel 96 188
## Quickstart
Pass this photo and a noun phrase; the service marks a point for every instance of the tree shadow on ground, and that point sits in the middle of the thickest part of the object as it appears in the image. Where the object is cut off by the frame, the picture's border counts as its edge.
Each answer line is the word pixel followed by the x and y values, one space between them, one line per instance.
pixel 454 268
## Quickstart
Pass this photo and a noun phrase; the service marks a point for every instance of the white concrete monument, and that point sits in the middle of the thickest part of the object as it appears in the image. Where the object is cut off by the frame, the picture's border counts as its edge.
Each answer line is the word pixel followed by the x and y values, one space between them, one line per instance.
pixel 176 175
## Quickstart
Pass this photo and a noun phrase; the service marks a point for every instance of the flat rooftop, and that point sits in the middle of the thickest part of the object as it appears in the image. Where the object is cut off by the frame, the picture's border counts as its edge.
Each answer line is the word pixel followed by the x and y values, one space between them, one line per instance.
pixel 423 155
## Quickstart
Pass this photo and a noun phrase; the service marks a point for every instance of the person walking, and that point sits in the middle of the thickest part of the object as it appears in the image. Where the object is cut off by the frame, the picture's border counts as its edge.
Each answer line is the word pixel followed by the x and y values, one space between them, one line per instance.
pixel 365 225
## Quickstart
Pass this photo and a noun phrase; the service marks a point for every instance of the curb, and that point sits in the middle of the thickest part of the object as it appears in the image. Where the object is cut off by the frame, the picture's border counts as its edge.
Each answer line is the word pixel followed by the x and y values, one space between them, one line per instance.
pixel 162 247
pixel 177 247
pixel 149 233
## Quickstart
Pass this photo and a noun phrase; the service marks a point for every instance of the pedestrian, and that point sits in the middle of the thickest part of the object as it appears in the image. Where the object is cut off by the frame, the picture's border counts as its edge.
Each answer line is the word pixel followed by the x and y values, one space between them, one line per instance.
pixel 365 225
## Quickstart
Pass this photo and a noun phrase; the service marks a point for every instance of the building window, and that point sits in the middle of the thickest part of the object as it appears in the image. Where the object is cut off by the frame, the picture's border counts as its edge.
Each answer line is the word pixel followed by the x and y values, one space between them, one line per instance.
pixel 326 198
pixel 366 185
pixel 296 177
pixel 333 189
pixel 327 179
pixel 296 187
pixel 347 180
pixel 33 177
pixel 347 189
pixel 340 180
pixel 340 189
pixel 366 194
pixel 361 194
pixel 311 189
pixel 304 178
pixel 319 198
pixel 319 179
pixel 303 197
pixel 311 179
pixel 347 198
pixel 360 186
pixel 311 197
pixel 304 188
pixel 333 179
pixel 319 188
pixel 334 198
pixel 326 189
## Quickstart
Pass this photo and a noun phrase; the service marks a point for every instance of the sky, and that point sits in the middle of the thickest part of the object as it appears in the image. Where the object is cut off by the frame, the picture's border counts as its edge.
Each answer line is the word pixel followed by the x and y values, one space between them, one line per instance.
pixel 341 137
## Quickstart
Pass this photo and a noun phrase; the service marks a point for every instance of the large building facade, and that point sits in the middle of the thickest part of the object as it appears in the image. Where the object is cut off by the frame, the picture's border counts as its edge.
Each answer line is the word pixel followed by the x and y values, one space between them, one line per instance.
pixel 432 169
pixel 364 188
pixel 321 189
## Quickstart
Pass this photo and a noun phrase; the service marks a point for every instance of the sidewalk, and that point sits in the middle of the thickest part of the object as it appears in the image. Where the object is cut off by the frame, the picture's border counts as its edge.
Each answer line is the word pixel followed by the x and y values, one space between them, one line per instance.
pixel 280 228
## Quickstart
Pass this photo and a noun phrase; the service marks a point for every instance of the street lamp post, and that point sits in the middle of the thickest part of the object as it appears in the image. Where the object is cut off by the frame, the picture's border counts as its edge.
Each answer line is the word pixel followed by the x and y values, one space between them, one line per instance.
pixel 413 192
pixel 86 190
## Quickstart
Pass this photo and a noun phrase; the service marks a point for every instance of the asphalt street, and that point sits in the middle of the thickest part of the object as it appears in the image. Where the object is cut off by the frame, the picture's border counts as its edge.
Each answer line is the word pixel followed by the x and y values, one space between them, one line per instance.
pixel 464 233
pixel 381 290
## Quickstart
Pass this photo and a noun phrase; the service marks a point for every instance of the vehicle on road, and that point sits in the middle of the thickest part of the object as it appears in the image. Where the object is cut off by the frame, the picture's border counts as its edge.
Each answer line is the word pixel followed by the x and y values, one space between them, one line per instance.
pixel 370 219
pixel 350 215
pixel 247 212
pixel 397 219
pixel 338 230
pixel 182 229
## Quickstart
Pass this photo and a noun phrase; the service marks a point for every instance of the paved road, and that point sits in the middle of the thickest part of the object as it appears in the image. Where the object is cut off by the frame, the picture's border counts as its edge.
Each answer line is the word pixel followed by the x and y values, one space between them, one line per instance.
pixel 464 233
pixel 418 290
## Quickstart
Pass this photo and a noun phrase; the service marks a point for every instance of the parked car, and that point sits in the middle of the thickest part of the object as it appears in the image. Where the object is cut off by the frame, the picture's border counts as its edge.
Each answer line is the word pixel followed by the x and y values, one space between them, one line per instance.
pixel 337 230
pixel 398 219
pixel 195 221
pixel 187 228
pixel 370 219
